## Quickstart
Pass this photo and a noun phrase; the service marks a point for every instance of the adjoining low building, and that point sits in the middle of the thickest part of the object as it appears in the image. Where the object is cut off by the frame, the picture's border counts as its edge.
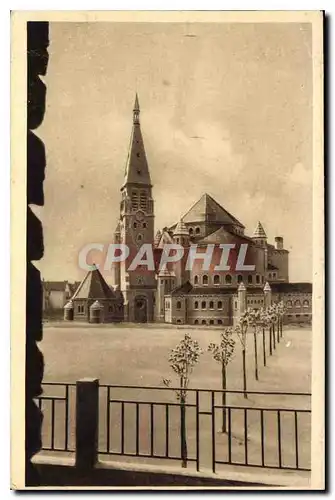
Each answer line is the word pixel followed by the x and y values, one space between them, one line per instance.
pixel 95 301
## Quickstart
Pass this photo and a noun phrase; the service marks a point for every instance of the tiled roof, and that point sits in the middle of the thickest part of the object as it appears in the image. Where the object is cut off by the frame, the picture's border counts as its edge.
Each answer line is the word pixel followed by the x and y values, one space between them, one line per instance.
pixel 208 210
pixel 221 235
pixel 259 231
pixel 292 287
pixel 188 289
pixel 93 286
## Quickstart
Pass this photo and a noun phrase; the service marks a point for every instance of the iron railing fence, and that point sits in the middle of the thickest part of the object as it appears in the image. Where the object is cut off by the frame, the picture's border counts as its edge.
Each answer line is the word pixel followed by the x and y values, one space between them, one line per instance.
pixel 57 403
pixel 269 429
pixel 261 431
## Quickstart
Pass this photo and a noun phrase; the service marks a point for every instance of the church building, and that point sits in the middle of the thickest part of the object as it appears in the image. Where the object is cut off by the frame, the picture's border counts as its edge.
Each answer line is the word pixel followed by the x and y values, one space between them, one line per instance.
pixel 181 296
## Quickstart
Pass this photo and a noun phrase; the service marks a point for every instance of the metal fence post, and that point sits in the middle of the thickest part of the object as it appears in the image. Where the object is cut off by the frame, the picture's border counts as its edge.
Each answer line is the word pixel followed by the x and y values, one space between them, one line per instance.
pixel 87 421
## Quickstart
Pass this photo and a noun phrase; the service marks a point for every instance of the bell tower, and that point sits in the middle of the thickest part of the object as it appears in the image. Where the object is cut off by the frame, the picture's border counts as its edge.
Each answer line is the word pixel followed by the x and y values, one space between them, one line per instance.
pixel 137 228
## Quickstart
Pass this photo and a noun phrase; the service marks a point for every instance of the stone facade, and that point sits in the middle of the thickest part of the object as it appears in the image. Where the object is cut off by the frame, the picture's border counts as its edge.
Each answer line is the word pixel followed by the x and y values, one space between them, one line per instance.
pixel 181 296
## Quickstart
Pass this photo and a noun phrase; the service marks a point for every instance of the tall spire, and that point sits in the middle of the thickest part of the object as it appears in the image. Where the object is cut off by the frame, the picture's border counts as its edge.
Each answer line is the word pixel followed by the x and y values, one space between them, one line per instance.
pixel 137 170
pixel 136 111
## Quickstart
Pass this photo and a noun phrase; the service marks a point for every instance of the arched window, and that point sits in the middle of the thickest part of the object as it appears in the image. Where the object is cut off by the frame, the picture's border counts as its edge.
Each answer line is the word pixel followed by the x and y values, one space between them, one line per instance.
pixel 203 304
pixel 258 278
pixel 196 280
pixel 211 305
pixel 197 230
pixel 190 231
pixel 306 303
pixel 211 321
pixel 143 200
pixel 134 200
pixel 289 304
pixel 196 305
pixel 239 278
pixel 228 279
pixel 216 279
pixel 219 321
pixel 196 322
pixel 203 322
pixel 205 279
pixel 178 304
pixel 297 303
pixel 220 304
pixel 249 278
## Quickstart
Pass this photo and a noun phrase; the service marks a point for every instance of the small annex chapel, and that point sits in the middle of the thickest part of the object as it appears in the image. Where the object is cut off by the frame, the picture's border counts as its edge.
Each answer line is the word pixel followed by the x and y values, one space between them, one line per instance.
pixel 95 301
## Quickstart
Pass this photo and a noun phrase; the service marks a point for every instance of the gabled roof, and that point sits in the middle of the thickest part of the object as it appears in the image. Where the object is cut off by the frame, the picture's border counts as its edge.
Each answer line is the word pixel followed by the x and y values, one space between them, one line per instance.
pixel 181 289
pixel 93 286
pixel 208 210
pixel 259 231
pixel 137 170
pixel 292 287
pixel 165 237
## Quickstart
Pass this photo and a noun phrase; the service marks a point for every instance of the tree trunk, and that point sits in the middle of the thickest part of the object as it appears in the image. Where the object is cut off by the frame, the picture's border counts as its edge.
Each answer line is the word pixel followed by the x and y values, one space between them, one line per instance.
pixel 244 374
pixel 278 340
pixel 281 327
pixel 224 398
pixel 270 338
pixel 255 353
pixel 183 442
pixel 264 353
pixel 274 335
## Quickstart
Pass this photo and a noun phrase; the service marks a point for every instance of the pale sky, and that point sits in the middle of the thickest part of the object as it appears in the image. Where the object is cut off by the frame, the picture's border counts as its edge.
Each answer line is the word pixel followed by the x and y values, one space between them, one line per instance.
pixel 227 111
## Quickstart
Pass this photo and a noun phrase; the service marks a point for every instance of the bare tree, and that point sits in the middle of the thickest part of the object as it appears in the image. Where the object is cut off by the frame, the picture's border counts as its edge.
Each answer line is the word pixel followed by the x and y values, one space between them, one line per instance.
pixel 222 353
pixel 254 320
pixel 241 331
pixel 182 360
pixel 264 322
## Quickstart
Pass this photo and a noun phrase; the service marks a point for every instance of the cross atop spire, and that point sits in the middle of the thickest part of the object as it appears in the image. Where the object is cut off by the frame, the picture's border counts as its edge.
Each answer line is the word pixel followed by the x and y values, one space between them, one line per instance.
pixel 136 111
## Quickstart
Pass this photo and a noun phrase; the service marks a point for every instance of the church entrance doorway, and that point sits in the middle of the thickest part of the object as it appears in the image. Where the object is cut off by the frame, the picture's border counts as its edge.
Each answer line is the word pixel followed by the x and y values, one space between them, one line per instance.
pixel 141 313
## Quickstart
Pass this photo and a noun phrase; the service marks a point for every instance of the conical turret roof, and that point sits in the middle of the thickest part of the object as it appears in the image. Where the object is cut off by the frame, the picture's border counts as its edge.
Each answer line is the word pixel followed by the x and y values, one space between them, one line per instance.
pixel 259 231
pixel 181 229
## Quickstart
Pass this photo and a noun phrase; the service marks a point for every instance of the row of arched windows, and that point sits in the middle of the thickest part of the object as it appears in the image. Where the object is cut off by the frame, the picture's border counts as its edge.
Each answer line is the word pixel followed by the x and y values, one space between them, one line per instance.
pixel 228 279
pixel 210 322
pixel 203 304
pixel 297 303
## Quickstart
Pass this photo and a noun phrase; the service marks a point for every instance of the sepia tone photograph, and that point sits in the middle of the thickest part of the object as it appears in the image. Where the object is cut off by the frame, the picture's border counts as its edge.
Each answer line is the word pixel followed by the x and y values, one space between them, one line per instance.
pixel 171 233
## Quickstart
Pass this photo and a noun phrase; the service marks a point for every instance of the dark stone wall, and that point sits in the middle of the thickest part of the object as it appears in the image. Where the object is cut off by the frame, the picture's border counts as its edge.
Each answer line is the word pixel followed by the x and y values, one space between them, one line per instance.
pixel 37 61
